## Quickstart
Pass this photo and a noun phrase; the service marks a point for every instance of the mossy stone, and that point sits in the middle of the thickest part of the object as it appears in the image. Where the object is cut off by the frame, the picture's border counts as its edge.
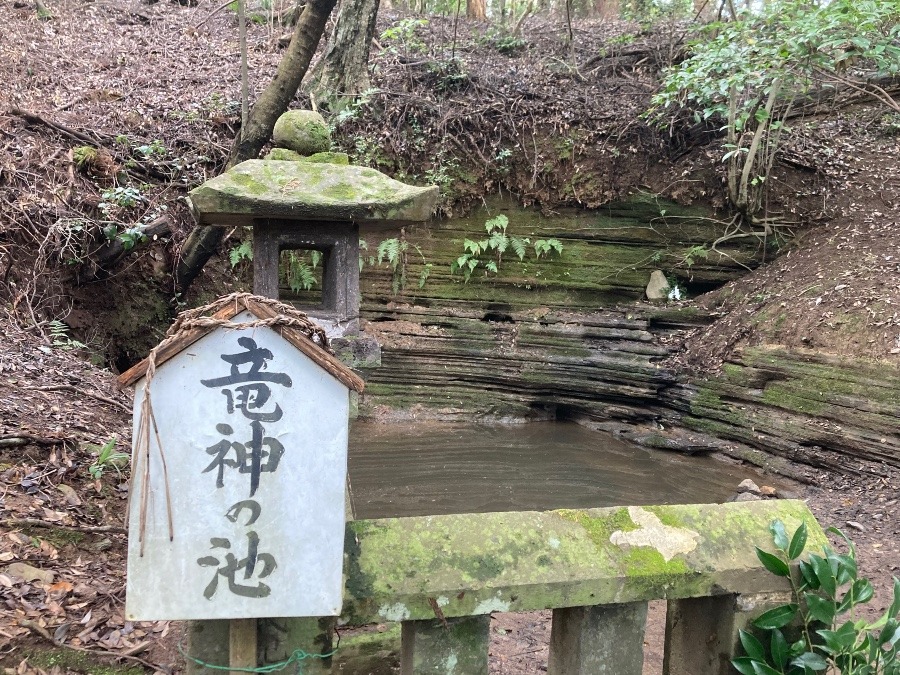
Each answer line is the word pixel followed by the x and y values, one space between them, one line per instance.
pixel 303 131
pixel 285 155
pixel 341 158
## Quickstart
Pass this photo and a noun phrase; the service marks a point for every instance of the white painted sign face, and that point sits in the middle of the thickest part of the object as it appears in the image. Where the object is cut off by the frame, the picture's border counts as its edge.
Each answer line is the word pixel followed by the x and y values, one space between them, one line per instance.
pixel 254 437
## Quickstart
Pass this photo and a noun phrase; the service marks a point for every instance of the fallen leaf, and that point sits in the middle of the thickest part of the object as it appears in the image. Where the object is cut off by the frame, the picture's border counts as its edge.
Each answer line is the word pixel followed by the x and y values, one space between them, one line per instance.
pixel 49 550
pixel 62 587
pixel 69 493
pixel 59 635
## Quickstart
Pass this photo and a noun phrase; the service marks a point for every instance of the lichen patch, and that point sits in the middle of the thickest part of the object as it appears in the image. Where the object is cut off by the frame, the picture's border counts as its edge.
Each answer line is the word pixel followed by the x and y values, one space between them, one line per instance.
pixel 396 612
pixel 669 541
pixel 491 605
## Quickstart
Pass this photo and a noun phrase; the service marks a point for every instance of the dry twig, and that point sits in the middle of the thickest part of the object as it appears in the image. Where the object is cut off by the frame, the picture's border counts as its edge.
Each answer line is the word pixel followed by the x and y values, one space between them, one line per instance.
pixel 84 392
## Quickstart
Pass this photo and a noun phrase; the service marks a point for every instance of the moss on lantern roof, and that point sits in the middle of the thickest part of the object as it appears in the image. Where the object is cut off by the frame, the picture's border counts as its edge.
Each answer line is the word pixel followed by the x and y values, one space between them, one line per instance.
pixel 294 190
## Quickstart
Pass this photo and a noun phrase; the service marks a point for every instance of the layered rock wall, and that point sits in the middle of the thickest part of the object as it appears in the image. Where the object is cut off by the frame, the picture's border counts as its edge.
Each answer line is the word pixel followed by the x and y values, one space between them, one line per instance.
pixel 570 338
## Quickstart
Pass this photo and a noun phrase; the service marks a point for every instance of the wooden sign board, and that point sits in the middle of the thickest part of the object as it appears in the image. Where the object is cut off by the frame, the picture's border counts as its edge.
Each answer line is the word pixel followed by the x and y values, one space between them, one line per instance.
pixel 253 436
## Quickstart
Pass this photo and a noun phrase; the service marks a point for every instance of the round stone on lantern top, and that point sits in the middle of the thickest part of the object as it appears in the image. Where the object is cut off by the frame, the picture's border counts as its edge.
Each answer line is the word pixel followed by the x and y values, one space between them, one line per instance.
pixel 303 131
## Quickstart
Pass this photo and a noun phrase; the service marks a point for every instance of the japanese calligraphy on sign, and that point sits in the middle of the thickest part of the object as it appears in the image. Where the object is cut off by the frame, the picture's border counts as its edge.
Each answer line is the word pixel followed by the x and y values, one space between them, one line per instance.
pixel 254 442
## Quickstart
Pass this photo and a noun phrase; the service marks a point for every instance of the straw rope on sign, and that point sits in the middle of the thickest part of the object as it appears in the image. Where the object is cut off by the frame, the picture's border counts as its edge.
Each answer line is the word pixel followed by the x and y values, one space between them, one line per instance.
pixel 286 316
pixel 188 321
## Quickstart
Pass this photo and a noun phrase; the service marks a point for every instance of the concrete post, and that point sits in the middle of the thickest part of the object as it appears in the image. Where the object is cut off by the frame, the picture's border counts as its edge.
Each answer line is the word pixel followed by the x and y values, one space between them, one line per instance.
pixel 278 638
pixel 698 635
pixel 702 634
pixel 207 642
pixel 265 260
pixel 600 640
pixel 457 646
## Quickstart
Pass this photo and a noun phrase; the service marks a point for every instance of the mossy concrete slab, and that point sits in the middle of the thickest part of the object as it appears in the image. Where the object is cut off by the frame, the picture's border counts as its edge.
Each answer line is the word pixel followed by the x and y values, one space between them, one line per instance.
pixel 309 191
pixel 400 569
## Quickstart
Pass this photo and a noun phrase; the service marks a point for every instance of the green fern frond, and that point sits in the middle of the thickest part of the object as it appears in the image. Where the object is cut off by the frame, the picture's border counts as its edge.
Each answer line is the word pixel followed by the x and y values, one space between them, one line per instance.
pixel 518 246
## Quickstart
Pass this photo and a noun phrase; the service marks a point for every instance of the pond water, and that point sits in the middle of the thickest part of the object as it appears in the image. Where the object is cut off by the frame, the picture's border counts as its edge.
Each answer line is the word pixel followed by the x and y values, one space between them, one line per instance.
pixel 426 468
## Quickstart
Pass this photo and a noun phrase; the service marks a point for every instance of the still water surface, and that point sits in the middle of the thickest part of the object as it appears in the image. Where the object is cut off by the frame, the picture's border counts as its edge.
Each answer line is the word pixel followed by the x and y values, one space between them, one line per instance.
pixel 425 468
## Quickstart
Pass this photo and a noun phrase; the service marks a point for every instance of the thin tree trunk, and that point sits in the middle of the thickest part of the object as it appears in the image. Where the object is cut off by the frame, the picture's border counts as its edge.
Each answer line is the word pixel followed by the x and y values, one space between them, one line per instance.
pixel 343 70
pixel 202 242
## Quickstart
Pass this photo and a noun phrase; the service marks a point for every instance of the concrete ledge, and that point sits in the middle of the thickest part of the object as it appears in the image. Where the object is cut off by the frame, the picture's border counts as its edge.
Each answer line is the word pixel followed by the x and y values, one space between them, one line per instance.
pixel 404 569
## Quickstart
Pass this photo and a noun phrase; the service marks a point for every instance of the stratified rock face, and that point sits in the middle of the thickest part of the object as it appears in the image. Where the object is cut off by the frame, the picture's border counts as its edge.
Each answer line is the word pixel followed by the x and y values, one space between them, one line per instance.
pixel 770 406
pixel 601 366
pixel 309 191
pixel 802 405
pixel 303 131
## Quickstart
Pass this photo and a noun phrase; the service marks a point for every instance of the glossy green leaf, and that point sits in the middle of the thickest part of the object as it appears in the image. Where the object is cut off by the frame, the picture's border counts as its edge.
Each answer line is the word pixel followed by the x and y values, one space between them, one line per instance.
pixel 773 563
pixel 752 646
pixel 810 580
pixel 779 535
pixel 820 608
pixel 890 634
pixel 862 591
pixel 839 640
pixel 764 669
pixel 779 649
pixel 824 575
pixel 845 568
pixel 798 542
pixel 895 605
pixel 810 660
pixel 744 665
pixel 776 618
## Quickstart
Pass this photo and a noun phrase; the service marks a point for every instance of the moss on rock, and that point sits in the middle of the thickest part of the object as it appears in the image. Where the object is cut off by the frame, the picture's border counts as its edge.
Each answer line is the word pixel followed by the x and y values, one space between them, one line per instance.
pixel 304 190
pixel 303 131
pixel 285 155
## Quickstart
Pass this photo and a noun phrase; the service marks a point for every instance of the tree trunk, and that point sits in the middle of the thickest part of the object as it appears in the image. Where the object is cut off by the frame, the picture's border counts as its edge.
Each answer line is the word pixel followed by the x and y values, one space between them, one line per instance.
pixel 202 242
pixel 343 70
pixel 609 9
pixel 475 9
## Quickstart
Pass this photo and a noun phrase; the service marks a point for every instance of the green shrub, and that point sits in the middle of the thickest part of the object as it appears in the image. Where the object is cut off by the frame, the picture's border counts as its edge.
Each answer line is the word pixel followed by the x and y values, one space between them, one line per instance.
pixel 818 632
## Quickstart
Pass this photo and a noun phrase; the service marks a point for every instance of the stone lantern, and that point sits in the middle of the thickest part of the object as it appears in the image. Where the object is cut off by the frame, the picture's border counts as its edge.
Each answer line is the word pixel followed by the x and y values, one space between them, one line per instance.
pixel 303 197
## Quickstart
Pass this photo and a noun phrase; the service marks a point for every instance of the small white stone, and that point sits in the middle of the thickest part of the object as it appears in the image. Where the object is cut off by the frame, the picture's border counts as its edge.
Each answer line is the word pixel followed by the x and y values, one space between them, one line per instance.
pixel 658 288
